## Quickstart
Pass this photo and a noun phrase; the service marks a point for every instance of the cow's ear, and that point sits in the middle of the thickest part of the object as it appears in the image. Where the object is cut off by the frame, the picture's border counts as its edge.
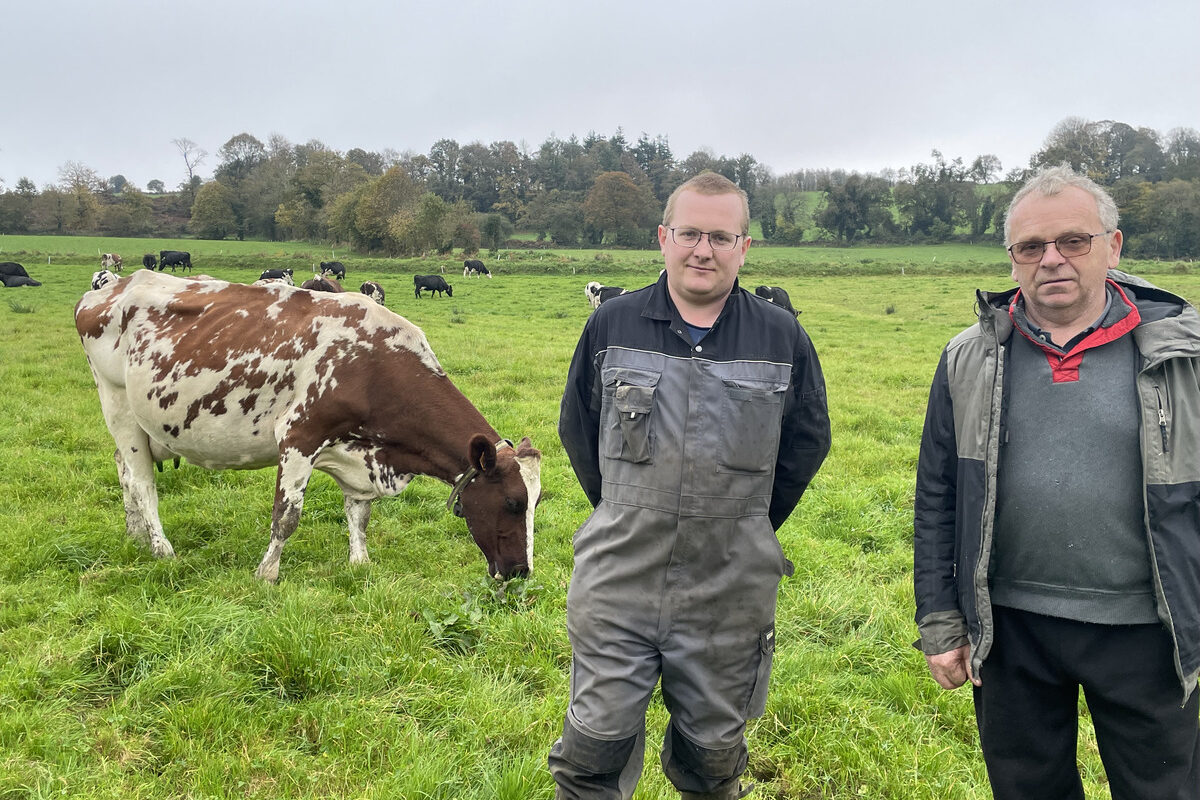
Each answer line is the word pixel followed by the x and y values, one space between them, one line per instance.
pixel 525 448
pixel 482 453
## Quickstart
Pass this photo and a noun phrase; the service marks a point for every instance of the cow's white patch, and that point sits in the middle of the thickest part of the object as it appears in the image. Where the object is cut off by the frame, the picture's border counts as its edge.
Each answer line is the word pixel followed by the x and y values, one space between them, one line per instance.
pixel 531 476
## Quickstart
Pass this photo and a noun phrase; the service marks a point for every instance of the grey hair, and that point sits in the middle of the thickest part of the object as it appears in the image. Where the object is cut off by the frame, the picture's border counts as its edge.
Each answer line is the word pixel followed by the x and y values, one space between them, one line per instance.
pixel 1049 181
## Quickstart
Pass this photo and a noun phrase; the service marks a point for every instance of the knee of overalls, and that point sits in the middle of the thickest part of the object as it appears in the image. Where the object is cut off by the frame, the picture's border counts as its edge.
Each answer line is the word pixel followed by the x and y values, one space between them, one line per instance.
pixel 595 756
pixel 701 770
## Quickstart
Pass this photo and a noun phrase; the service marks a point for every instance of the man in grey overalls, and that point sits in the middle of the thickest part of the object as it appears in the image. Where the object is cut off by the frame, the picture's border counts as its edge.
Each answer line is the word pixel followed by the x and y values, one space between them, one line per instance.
pixel 694 417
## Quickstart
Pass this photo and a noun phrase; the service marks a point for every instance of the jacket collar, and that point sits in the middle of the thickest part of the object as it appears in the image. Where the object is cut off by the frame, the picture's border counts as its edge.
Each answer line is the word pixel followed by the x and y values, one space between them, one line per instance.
pixel 660 306
pixel 1169 328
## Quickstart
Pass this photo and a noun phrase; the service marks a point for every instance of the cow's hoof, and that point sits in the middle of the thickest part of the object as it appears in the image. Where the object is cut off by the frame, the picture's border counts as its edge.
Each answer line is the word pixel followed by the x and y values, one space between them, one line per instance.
pixel 269 574
pixel 162 549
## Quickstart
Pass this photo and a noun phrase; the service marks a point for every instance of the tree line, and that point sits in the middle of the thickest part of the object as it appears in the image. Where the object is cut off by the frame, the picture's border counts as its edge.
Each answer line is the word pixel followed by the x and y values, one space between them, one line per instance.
pixel 602 191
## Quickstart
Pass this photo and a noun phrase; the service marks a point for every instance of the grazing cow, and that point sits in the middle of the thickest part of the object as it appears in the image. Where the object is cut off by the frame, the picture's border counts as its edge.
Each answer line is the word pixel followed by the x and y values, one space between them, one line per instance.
pixel 432 283
pixel 149 261
pixel 173 259
pixel 242 377
pixel 322 284
pixel 12 268
pixel 475 267
pixel 103 278
pixel 111 261
pixel 12 281
pixel 284 275
pixel 773 294
pixel 335 268
pixel 597 294
pixel 372 290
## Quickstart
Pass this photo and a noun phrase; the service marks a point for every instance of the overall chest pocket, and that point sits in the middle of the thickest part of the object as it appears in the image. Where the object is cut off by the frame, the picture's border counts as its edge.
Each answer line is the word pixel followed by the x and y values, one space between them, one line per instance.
pixel 751 413
pixel 629 415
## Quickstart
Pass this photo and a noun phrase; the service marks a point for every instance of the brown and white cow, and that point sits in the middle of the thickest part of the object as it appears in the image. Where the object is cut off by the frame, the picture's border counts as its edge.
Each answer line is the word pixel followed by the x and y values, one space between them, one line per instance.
pixel 111 261
pixel 322 283
pixel 242 377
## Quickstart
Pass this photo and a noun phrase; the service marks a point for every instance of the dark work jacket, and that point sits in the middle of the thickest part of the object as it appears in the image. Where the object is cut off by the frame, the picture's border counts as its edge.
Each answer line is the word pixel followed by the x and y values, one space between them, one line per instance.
pixel 954 507
pixel 747 338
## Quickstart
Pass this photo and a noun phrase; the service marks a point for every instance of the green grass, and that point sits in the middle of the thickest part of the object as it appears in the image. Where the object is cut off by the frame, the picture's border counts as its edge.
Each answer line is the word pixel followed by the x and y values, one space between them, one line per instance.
pixel 413 677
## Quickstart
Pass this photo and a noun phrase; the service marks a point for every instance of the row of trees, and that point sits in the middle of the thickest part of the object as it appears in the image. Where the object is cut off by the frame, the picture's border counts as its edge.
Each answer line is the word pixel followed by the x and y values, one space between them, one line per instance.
pixel 603 191
pixel 1155 181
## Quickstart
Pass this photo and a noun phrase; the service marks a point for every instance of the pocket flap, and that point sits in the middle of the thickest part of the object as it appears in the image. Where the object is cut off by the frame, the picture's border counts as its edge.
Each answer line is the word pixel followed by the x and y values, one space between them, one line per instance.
pixel 622 375
pixel 634 399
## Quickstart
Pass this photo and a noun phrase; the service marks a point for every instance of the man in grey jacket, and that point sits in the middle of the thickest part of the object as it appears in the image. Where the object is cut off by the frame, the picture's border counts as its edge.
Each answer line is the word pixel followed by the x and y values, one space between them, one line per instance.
pixel 694 417
pixel 1057 543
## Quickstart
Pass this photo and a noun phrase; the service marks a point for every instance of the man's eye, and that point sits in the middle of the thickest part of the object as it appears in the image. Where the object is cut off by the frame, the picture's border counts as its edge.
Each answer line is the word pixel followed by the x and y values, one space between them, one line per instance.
pixel 721 239
pixel 1028 248
pixel 688 234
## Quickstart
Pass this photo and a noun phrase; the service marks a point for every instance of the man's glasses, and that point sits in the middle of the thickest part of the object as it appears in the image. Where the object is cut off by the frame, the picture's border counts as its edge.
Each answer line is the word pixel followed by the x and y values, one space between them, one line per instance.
pixel 1069 245
pixel 717 240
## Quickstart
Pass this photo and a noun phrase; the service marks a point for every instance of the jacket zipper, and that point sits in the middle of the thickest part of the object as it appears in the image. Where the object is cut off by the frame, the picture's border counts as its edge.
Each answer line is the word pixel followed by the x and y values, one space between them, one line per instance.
pixel 1162 419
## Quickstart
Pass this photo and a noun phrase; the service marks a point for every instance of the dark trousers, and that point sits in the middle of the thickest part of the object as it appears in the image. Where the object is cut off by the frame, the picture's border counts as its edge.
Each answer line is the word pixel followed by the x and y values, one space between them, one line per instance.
pixel 1027 710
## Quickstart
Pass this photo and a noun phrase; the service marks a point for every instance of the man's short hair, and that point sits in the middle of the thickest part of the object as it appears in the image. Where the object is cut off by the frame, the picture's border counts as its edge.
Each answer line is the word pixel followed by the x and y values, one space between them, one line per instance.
pixel 1049 181
pixel 709 183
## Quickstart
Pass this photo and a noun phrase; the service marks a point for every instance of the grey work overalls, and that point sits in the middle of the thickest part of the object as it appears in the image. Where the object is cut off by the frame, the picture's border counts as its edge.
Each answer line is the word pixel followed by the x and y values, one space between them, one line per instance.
pixel 677 569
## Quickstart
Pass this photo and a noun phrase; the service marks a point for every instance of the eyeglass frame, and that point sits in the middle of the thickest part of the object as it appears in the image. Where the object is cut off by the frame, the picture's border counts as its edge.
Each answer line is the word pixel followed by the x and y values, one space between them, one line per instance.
pixel 1055 242
pixel 736 237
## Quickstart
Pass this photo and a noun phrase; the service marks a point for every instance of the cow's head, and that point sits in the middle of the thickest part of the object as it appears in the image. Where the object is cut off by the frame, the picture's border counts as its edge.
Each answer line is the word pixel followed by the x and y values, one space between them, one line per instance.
pixel 498 500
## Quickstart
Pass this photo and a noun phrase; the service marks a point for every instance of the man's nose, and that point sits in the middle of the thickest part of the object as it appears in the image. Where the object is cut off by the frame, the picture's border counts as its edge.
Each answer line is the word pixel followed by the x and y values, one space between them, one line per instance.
pixel 1052 259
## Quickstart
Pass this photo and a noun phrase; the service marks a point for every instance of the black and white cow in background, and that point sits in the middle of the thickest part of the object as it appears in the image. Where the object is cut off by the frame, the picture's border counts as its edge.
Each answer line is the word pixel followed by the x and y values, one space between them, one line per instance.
pixel 149 261
pixel 12 281
pixel 475 267
pixel 431 283
pixel 13 274
pixel 335 268
pixel 278 275
pixel 372 290
pixel 776 295
pixel 597 294
pixel 103 278
pixel 173 259
pixel 111 261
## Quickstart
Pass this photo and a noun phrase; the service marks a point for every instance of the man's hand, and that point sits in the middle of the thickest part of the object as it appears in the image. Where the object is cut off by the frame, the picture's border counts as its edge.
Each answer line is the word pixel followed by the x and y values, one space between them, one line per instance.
pixel 952 669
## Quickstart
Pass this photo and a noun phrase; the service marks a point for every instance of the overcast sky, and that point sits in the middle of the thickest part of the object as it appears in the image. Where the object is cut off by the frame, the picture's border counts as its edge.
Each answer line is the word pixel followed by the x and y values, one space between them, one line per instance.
pixel 841 84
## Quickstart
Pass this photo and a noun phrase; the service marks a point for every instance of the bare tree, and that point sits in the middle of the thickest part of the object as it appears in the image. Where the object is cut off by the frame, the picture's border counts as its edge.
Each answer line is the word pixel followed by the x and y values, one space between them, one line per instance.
pixel 192 154
pixel 75 176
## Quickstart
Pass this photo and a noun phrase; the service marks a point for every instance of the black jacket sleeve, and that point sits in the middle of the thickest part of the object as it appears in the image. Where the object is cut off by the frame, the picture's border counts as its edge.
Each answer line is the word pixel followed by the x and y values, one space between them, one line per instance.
pixel 805 436
pixel 934 523
pixel 579 414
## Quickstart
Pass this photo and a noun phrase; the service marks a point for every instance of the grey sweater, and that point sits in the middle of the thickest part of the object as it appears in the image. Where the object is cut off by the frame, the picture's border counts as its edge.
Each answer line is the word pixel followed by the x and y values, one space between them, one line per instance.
pixel 1070 540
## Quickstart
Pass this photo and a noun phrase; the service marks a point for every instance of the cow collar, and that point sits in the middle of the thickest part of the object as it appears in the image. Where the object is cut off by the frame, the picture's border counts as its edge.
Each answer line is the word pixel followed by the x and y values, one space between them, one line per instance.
pixel 454 504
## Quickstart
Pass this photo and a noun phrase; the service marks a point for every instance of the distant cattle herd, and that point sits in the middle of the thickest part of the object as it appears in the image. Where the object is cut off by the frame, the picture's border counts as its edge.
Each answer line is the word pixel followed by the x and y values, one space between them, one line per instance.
pixel 328 277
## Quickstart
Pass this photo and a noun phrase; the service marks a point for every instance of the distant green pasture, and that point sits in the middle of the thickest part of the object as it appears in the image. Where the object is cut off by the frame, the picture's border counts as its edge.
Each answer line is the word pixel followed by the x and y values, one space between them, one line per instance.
pixel 415 677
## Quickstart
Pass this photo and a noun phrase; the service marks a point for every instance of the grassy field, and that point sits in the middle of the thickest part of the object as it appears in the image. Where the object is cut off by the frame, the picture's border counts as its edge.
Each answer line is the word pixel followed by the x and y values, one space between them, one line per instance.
pixel 415 677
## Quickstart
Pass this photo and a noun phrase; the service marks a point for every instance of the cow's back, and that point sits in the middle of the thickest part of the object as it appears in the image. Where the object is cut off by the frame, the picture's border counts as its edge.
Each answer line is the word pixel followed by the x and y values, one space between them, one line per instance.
pixel 220 372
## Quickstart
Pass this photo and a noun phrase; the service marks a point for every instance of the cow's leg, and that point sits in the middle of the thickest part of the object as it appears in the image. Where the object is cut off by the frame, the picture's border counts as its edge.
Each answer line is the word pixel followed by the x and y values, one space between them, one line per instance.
pixel 135 471
pixel 358 514
pixel 291 480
